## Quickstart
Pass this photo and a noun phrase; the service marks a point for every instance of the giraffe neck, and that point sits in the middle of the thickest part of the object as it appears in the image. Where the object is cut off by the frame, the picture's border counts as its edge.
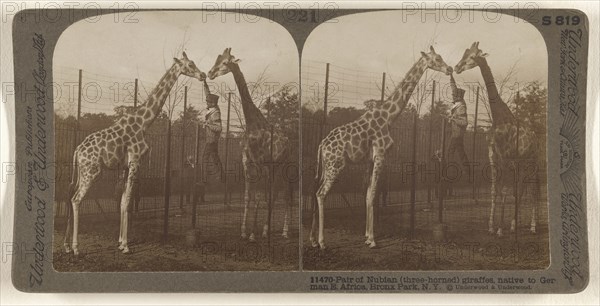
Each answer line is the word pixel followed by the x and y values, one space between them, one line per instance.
pixel 252 116
pixel 396 103
pixel 500 112
pixel 156 99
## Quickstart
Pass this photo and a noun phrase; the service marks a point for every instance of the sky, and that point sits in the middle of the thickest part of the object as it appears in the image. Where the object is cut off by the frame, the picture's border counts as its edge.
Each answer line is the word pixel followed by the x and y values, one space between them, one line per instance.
pixel 110 52
pixel 362 46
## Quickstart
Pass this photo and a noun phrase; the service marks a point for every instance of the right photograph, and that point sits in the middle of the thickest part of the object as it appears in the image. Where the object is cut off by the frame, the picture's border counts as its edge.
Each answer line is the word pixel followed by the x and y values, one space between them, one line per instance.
pixel 424 143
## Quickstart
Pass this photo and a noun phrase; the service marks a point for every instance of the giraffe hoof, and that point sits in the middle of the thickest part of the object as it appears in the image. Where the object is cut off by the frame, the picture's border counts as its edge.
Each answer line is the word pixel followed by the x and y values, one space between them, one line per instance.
pixel 285 235
pixel 491 231
pixel 67 250
pixel 125 250
pixel 121 247
pixel 322 245
pixel 75 252
pixel 244 236
pixel 264 235
pixel 372 245
pixel 314 243
pixel 532 229
pixel 499 233
pixel 251 238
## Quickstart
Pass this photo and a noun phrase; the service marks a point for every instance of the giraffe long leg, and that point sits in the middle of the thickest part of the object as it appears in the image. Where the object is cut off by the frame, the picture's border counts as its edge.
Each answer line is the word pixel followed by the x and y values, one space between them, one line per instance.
pixel 289 210
pixel 131 179
pixel 87 175
pixel 67 238
pixel 332 169
pixel 371 193
pixel 494 187
pixel 502 206
pixel 270 197
pixel 246 193
pixel 536 200
pixel 370 171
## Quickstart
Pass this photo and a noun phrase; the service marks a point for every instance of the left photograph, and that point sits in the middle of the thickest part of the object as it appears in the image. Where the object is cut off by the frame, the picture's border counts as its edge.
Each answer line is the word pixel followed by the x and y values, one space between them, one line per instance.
pixel 176 143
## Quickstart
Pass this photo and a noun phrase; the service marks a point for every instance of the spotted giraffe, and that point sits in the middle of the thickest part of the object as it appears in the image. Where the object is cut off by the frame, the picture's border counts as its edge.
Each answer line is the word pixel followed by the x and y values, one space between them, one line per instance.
pixel 369 133
pixel 121 145
pixel 256 145
pixel 502 141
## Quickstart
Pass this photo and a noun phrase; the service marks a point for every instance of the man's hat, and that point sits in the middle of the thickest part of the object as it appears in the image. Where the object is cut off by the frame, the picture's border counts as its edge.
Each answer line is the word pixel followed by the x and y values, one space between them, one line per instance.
pixel 212 98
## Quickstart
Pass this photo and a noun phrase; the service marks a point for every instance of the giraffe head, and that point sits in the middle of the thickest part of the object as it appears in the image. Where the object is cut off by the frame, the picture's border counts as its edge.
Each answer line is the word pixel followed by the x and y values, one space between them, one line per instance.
pixel 470 58
pixel 435 62
pixel 223 64
pixel 188 68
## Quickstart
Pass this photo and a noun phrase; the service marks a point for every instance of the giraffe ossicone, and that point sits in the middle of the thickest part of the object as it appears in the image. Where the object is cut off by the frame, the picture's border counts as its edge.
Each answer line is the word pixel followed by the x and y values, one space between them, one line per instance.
pixel 369 133
pixel 121 145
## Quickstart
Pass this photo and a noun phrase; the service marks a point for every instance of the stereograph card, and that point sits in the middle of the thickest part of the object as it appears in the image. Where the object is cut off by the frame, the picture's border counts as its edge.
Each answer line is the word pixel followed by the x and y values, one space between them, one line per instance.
pixel 296 149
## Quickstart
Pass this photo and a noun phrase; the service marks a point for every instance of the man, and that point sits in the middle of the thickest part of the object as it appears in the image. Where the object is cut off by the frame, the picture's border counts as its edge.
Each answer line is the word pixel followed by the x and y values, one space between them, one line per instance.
pixel 458 121
pixel 212 126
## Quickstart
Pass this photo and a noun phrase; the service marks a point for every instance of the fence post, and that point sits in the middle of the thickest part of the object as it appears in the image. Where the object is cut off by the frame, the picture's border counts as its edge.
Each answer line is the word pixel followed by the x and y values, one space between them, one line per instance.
pixel 167 185
pixel 75 142
pixel 517 174
pixel 137 196
pixel 135 93
pixel 430 144
pixel 413 189
pixel 442 185
pixel 226 195
pixel 376 207
pixel 473 142
pixel 195 182
pixel 323 123
pixel 182 164
pixel 271 175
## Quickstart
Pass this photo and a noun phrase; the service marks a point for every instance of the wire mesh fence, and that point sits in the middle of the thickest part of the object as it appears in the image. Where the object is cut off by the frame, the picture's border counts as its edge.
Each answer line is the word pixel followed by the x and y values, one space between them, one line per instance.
pixel 410 186
pixel 92 102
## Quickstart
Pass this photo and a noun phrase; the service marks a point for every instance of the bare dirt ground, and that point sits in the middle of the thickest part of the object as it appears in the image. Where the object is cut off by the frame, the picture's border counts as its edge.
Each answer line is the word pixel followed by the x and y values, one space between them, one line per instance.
pixel 467 245
pixel 219 245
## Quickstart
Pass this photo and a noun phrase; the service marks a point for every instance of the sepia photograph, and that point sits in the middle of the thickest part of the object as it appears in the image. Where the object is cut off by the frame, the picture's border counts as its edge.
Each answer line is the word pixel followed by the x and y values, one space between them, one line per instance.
pixel 178 145
pixel 424 144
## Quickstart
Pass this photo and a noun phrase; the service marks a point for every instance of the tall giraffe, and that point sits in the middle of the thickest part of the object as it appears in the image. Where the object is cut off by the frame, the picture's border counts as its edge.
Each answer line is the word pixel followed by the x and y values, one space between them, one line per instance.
pixel 256 151
pixel 370 132
pixel 502 140
pixel 121 145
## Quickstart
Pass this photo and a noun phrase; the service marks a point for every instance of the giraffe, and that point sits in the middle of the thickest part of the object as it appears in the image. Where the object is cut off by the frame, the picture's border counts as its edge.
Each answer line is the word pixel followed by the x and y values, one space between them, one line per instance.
pixel 120 145
pixel 256 145
pixel 370 132
pixel 502 139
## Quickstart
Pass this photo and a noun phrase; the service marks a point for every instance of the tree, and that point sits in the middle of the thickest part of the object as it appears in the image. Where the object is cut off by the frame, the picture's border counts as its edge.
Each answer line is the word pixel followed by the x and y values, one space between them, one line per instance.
pixel 282 111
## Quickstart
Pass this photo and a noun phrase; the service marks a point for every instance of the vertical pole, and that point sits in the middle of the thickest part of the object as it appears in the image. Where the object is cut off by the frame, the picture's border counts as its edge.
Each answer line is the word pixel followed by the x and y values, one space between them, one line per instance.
pixel 271 175
pixel 79 98
pixel 517 174
pixel 378 193
pixel 135 94
pixel 413 189
pixel 226 195
pixel 182 163
pixel 196 167
pixel 430 144
pixel 442 185
pixel 323 123
pixel 325 101
pixel 167 185
pixel 75 132
pixel 473 142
